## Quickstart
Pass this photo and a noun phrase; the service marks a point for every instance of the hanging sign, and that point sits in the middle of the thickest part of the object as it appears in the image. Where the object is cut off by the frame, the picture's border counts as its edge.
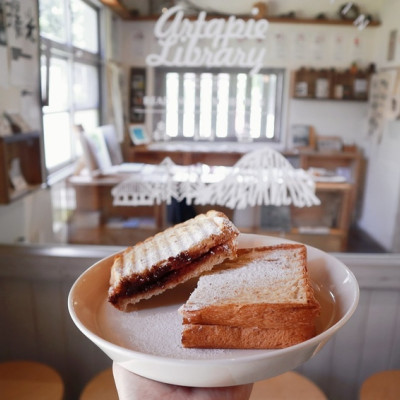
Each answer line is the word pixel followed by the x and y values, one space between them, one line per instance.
pixel 223 41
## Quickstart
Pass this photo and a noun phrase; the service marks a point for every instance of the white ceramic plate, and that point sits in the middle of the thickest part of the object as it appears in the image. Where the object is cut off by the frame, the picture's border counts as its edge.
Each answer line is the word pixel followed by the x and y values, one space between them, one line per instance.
pixel 146 341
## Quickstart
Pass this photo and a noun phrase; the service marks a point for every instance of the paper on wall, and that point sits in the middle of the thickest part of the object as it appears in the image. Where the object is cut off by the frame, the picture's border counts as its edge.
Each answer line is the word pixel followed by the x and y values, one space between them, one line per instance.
pixel 384 101
pixel 3 47
pixel 22 41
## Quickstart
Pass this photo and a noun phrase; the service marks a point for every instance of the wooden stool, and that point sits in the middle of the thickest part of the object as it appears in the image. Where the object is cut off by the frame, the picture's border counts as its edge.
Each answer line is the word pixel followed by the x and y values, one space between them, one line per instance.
pixel 28 380
pixel 288 386
pixel 383 385
pixel 101 387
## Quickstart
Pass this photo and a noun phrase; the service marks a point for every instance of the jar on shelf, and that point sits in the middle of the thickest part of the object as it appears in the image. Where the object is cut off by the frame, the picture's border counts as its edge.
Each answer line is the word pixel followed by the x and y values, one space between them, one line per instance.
pixel 301 88
pixel 360 85
pixel 323 84
pixel 338 85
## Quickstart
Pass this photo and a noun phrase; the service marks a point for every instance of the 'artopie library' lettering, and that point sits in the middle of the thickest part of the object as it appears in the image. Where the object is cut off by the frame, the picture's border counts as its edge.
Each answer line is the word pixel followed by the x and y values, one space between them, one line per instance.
pixel 179 40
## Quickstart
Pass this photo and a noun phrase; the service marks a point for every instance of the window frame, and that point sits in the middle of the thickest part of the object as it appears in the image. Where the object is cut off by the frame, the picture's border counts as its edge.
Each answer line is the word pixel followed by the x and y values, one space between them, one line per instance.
pixel 160 90
pixel 49 49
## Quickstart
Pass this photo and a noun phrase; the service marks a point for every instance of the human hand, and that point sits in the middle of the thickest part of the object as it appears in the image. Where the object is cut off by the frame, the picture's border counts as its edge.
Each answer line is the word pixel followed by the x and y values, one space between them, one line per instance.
pixel 133 387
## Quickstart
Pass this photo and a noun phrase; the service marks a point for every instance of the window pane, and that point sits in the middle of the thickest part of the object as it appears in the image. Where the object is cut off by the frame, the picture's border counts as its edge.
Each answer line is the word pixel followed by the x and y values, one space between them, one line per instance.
pixel 205 105
pixel 58 86
pixel 240 121
pixel 53 20
pixel 172 104
pixel 86 86
pixel 57 139
pixel 256 105
pixel 189 88
pixel 271 98
pixel 89 119
pixel 84 26
pixel 222 105
pixel 216 105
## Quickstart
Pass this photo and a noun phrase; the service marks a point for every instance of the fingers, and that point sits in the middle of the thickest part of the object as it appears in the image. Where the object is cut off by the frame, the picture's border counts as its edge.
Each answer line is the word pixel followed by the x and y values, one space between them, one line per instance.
pixel 134 387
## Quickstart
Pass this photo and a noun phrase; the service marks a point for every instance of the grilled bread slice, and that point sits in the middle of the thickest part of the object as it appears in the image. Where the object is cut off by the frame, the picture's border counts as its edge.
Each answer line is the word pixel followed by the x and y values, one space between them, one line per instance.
pixel 171 257
pixel 264 295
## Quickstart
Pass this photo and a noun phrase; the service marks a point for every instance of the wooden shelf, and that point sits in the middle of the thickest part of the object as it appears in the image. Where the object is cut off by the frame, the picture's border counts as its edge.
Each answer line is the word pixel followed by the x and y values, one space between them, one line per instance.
pixel 20 137
pixel 125 13
pixel 330 99
pixel 271 19
pixel 17 194
pixel 25 148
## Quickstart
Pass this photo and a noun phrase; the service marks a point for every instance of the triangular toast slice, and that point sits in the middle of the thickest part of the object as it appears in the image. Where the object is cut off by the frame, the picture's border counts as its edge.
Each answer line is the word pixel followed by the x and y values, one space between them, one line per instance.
pixel 171 257
pixel 264 290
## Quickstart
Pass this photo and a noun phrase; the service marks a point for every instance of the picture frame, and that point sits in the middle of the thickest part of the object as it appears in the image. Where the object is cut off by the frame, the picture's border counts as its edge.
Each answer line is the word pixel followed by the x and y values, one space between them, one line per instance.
pixel 98 147
pixel 138 134
pixel 329 144
pixel 302 137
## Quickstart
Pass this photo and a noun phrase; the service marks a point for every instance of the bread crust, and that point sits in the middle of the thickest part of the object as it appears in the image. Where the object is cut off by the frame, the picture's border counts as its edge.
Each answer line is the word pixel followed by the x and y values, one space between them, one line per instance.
pixel 254 315
pixel 232 337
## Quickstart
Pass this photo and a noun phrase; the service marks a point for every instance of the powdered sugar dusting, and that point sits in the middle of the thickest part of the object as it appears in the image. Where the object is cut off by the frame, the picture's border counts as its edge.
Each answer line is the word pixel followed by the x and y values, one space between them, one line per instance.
pixel 155 331
pixel 276 279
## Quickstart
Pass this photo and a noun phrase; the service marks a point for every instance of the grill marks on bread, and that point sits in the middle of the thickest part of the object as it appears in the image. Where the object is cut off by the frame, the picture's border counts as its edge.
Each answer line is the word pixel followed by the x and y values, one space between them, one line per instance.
pixel 171 257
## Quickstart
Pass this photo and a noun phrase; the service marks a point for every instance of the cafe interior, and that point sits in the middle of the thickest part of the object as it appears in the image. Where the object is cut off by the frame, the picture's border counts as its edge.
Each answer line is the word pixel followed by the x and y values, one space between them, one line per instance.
pixel 122 118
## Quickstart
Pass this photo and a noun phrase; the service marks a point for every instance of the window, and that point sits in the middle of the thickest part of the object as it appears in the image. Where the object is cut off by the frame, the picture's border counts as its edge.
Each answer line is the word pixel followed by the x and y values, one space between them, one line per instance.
pixel 70 69
pixel 220 104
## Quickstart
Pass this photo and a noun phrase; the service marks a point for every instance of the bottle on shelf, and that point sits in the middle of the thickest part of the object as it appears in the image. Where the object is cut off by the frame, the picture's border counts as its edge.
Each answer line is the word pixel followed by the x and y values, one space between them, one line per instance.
pixel 301 83
pixel 323 84
pixel 360 85
pixel 338 89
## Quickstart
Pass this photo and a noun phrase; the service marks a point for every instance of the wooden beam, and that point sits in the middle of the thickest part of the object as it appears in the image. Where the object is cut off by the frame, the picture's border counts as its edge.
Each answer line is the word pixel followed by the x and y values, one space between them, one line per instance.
pixel 119 9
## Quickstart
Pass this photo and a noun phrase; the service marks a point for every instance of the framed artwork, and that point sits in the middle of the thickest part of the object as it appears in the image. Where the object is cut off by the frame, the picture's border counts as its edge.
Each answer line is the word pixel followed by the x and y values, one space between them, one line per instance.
pixel 302 137
pixel 329 143
pixel 98 149
pixel 138 134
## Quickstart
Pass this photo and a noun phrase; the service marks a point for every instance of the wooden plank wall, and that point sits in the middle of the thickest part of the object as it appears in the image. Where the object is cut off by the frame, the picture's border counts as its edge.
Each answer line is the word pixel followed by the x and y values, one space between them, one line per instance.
pixel 35 323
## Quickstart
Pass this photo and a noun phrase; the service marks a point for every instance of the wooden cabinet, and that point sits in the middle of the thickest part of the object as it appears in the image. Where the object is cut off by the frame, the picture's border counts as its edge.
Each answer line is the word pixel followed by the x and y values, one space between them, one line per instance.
pixel 348 163
pixel 327 226
pixel 20 165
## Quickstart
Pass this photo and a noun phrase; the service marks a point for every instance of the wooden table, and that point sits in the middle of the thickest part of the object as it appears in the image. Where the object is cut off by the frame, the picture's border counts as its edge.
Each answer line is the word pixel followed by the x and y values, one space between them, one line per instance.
pixel 94 194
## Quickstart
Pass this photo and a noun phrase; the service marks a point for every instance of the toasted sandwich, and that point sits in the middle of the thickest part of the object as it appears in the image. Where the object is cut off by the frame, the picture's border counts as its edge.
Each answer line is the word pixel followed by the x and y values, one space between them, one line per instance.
pixel 262 299
pixel 171 257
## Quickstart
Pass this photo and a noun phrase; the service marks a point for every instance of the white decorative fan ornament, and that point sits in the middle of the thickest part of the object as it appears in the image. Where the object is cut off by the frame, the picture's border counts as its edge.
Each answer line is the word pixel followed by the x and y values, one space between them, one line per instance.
pixel 261 177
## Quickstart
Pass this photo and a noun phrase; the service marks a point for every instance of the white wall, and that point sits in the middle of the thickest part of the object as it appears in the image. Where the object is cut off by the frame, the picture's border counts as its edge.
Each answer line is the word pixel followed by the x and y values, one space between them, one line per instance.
pixel 381 198
pixel 320 50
